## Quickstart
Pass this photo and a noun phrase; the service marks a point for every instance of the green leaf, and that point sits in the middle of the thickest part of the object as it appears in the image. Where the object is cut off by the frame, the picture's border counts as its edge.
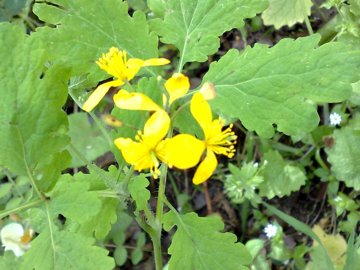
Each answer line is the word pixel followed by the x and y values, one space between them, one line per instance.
pixel 280 178
pixel 198 244
pixel 65 250
pixel 139 192
pixel 9 262
pixel 73 200
pixel 102 216
pixel 33 124
pixel 86 29
pixel 86 138
pixel 265 86
pixel 283 12
pixel 194 26
pixel 344 155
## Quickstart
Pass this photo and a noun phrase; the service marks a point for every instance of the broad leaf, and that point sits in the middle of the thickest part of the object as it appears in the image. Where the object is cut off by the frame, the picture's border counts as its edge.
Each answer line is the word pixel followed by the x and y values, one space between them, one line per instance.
pixel 64 250
pixel 199 244
pixel 285 12
pixel 280 178
pixel 87 29
pixel 278 86
pixel 194 26
pixel 33 125
pixel 86 138
pixel 344 155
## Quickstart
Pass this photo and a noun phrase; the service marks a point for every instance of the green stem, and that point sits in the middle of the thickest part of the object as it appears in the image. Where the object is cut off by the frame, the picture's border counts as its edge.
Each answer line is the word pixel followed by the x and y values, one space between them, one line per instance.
pixel 308 26
pixel 20 208
pixel 320 161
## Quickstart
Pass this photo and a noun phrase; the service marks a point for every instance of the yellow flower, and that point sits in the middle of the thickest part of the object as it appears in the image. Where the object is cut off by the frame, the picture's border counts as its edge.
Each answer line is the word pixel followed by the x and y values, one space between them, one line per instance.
pixel 182 151
pixel 217 141
pixel 176 86
pixel 122 69
pixel 147 150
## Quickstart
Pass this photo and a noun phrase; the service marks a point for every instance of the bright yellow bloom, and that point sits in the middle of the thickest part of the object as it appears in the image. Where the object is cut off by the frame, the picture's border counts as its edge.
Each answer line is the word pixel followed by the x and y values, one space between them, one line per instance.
pixel 148 149
pixel 122 69
pixel 217 141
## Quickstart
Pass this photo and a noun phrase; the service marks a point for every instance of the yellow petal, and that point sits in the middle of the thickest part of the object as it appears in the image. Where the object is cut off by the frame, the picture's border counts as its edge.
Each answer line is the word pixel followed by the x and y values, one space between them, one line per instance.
pixel 134 153
pixel 177 86
pixel 201 111
pixel 134 101
pixel 99 94
pixel 156 62
pixel 156 128
pixel 206 168
pixel 133 66
pixel 182 151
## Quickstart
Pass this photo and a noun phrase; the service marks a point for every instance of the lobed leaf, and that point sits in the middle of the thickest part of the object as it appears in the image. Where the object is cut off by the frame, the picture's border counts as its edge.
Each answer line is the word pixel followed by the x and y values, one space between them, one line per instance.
pixel 284 12
pixel 344 155
pixel 279 86
pixel 84 30
pixel 280 178
pixel 33 124
pixel 194 26
pixel 198 244
pixel 65 250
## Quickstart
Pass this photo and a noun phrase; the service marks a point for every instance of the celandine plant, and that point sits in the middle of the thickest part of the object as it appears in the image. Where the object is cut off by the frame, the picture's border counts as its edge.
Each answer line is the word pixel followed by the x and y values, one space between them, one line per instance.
pixel 95 54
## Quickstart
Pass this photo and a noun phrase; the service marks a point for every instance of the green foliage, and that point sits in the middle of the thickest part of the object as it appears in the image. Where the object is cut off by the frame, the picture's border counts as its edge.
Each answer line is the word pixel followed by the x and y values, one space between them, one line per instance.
pixel 194 26
pixel 33 123
pixel 265 86
pixel 88 29
pixel 344 155
pixel 242 183
pixel 283 12
pixel 86 138
pixel 138 191
pixel 198 244
pixel 10 8
pixel 280 178
pixel 65 250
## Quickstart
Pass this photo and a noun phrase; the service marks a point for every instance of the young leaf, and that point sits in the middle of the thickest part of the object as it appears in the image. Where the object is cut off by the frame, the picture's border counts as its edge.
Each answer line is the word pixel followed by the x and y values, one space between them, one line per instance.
pixel 344 155
pixel 194 26
pixel 33 124
pixel 265 86
pixel 87 29
pixel 283 12
pixel 198 244
pixel 280 178
pixel 139 192
pixel 65 250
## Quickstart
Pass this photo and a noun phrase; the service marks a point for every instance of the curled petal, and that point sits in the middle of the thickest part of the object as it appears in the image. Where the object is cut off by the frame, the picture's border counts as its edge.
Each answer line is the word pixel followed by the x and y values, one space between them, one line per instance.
pixel 99 94
pixel 134 153
pixel 182 151
pixel 177 86
pixel 134 101
pixel 206 168
pixel 156 128
pixel 201 111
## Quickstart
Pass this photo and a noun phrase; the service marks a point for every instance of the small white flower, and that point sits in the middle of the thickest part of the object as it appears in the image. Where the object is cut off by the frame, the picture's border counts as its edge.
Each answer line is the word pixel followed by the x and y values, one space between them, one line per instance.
pixel 335 119
pixel 14 238
pixel 256 165
pixel 338 199
pixel 270 230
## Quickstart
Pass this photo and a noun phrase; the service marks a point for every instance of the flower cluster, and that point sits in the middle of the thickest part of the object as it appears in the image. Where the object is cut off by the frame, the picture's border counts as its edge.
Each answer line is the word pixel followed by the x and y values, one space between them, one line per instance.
pixel 153 145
